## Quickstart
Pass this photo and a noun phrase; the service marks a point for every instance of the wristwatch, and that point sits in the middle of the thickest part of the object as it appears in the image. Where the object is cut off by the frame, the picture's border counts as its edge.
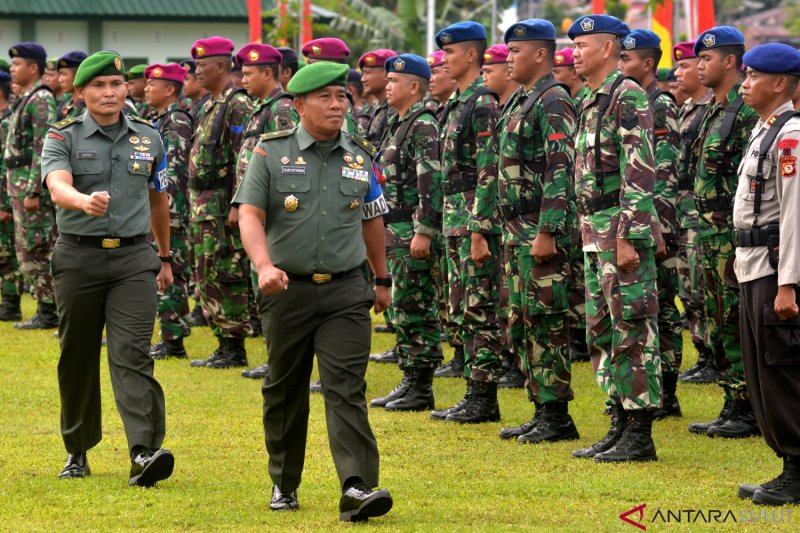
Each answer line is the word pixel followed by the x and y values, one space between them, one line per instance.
pixel 166 259
pixel 383 282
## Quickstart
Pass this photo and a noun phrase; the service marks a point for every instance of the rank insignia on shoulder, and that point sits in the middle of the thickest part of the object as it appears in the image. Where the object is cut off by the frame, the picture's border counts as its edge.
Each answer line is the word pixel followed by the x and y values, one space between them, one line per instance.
pixel 64 123
pixel 365 144
pixel 276 135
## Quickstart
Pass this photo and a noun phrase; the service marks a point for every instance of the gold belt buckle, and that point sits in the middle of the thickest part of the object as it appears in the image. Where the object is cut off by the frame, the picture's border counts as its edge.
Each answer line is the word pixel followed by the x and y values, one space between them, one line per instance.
pixel 321 278
pixel 109 243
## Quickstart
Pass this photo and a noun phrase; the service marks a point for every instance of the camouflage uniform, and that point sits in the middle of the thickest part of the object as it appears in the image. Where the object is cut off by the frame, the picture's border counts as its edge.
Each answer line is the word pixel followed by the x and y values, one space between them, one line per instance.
pixel 714 188
pixel 176 129
pixel 690 268
pixel 470 198
pixel 10 276
pixel 362 114
pixel 413 196
pixel 665 198
pixel 69 109
pixel 220 263
pixel 535 196
pixel 35 232
pixel 621 307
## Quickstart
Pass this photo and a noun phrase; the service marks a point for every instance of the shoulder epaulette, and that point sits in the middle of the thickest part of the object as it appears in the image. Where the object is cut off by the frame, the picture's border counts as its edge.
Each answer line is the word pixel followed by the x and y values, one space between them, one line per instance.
pixel 61 124
pixel 142 120
pixel 365 144
pixel 276 135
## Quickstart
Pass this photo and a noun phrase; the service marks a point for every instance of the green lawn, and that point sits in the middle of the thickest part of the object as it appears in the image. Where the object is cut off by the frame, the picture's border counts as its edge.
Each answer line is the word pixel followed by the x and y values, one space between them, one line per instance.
pixel 442 476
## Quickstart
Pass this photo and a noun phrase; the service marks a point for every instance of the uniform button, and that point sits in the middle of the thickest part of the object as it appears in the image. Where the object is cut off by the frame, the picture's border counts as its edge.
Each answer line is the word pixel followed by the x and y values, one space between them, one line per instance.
pixel 322 238
pixel 116 189
pixel 322 263
pixel 87 169
pixel 113 212
pixel 324 164
pixel 324 213
pixel 293 186
pixel 324 187
pixel 355 189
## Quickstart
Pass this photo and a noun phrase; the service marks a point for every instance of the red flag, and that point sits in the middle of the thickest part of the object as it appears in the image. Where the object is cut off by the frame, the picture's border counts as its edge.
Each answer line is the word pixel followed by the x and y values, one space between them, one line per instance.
pixel 307 33
pixel 598 7
pixel 705 15
pixel 254 18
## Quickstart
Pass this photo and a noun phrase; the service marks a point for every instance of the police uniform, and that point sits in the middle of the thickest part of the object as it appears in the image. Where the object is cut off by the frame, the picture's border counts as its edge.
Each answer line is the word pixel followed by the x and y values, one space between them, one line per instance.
pixel 767 222
pixel 105 276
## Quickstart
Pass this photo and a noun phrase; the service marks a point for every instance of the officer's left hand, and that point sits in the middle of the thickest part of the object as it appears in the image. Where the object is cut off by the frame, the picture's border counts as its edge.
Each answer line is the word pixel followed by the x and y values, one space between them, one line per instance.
pixel 786 303
pixel 479 250
pixel 31 204
pixel 627 258
pixel 382 299
pixel 164 277
pixel 420 246
pixel 544 247
pixel 233 218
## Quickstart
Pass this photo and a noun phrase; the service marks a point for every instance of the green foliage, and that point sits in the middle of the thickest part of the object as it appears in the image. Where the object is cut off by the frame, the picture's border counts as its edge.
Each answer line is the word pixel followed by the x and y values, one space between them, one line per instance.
pixel 617 8
pixel 793 18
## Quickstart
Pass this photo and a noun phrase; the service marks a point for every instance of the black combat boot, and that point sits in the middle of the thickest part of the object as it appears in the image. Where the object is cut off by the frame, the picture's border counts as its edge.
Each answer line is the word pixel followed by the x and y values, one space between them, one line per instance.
pixel 669 398
pixel 384 328
pixel 480 407
pixel 216 355
pixel 513 432
pixel 389 356
pixel 578 350
pixel 441 414
pixel 702 427
pixel 746 491
pixel 513 378
pixel 786 490
pixel 259 372
pixel 315 387
pixel 636 442
pixel 233 354
pixel 171 348
pixel 418 396
pixel 703 358
pixel 198 319
pixel 619 421
pixel 397 392
pixel 555 425
pixel 454 368
pixel 10 309
pixel 45 318
pixel 741 422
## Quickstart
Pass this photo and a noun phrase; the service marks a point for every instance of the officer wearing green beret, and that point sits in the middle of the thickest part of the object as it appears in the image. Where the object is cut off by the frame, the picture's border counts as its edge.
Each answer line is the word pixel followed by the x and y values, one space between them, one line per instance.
pixel 136 85
pixel 106 173
pixel 310 213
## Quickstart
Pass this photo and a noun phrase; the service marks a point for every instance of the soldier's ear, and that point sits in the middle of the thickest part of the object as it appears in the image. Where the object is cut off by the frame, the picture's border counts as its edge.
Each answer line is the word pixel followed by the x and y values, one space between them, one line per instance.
pixel 299 104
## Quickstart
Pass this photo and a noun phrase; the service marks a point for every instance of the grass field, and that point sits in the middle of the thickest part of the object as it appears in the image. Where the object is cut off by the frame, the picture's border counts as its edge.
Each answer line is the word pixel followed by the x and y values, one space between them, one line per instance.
pixel 443 477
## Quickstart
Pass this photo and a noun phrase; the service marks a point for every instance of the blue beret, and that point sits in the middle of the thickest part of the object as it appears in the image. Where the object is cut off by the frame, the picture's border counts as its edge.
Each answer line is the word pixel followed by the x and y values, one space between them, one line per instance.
pixel 28 50
pixel 774 58
pixel 591 24
pixel 5 77
pixel 72 59
pixel 531 30
pixel 460 32
pixel 718 36
pixel 641 39
pixel 409 64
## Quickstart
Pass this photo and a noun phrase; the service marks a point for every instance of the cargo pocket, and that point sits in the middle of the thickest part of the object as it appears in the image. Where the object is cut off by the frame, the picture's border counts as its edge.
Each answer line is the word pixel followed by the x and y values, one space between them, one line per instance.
pixel 233 268
pixel 781 339
pixel 637 290
pixel 547 294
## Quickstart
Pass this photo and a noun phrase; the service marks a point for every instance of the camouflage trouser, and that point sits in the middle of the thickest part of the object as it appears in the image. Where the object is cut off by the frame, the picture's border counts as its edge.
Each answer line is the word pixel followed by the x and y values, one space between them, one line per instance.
pixel 691 284
pixel 473 305
pixel 722 312
pixel 622 329
pixel 10 276
pixel 577 294
pixel 504 312
pixel 670 329
pixel 173 304
pixel 439 273
pixel 414 309
pixel 34 236
pixel 388 313
pixel 222 273
pixel 538 323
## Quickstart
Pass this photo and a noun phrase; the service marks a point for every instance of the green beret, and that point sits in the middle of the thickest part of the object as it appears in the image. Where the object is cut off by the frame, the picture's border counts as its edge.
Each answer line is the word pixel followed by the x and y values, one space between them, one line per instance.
pixel 318 75
pixel 99 64
pixel 136 71
pixel 663 74
pixel 51 64
pixel 4 65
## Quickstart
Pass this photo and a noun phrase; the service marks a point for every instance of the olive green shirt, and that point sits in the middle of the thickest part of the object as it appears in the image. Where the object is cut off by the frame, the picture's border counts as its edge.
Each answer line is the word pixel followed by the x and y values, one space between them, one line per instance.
pixel 125 166
pixel 315 200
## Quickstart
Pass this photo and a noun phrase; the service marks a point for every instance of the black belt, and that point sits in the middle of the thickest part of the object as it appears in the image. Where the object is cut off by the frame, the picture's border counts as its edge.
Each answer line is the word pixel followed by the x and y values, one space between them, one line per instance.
pixel 398 215
pixel 466 182
pixel 587 207
pixel 751 238
pixel 320 278
pixel 208 185
pixel 518 209
pixel 709 205
pixel 107 243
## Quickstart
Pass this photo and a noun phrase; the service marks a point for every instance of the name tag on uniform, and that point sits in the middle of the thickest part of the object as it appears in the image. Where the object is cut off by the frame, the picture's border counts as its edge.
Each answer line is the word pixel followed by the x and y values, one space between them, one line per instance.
pixel 142 157
pixel 296 170
pixel 86 155
pixel 355 174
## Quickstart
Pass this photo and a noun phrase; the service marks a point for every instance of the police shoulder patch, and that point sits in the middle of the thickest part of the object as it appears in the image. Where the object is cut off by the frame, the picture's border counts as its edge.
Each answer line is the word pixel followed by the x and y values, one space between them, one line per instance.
pixel 276 135
pixel 60 125
pixel 365 144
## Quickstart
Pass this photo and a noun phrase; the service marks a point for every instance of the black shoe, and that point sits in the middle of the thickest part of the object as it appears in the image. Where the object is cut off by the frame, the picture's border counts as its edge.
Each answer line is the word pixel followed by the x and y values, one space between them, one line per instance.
pixel 636 443
pixel 255 327
pixel 76 467
pixel 669 398
pixel 389 356
pixel 703 376
pixel 45 318
pixel 259 372
pixel 619 420
pixel 283 501
pixel 418 395
pixel 746 491
pixel 785 491
pixel 441 414
pixel 555 425
pixel 578 351
pixel 10 309
pixel 481 405
pixel 165 349
pixel 700 428
pixel 513 432
pixel 512 379
pixel 315 386
pixel 741 422
pixel 147 469
pixel 360 502
pixel 453 368
pixel 692 371
pixel 396 393
pixel 231 354
pixel 198 319
pixel 383 328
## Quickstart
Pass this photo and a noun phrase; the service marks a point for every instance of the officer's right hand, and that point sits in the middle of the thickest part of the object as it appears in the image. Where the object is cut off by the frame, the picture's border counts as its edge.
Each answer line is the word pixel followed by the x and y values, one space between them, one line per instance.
pixel 272 280
pixel 96 204
pixel 786 302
